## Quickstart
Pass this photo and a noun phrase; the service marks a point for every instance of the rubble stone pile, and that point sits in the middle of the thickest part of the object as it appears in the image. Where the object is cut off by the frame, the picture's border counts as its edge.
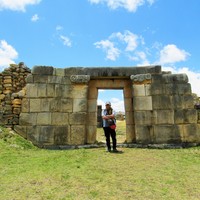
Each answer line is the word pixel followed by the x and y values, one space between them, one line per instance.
pixel 12 83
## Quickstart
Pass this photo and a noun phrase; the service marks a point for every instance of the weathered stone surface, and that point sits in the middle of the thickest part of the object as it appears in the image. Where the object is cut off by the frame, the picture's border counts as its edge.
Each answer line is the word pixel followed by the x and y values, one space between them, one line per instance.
pixel 80 105
pixel 35 105
pixel 141 78
pixel 180 78
pixel 92 105
pixel 41 79
pixel 59 72
pixel 163 116
pixel 185 116
pixel 28 119
pixel 129 118
pixel 167 134
pixel 191 133
pixel 44 118
pixel 50 90
pixel 78 118
pixel 32 90
pixel 143 134
pixel 91 134
pixel 42 70
pixel 46 135
pixel 130 134
pixel 59 118
pixel 162 102
pixel 138 90
pixel 128 104
pixel 143 117
pixel 78 135
pixel 66 105
pixel 61 134
pixel 142 103
pixel 79 91
pixel 42 90
pixel 92 118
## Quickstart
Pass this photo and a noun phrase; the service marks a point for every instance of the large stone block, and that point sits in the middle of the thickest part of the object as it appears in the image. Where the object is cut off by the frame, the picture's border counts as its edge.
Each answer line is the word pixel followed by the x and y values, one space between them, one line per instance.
pixel 143 134
pixel 42 90
pixel 92 105
pixel 142 103
pixel 162 102
pixel 46 135
pixel 42 70
pixel 157 89
pixel 164 116
pixel 55 105
pixel 26 119
pixel 129 118
pixel 178 78
pixel 55 79
pixel 58 118
pixel 79 118
pixel 80 91
pixel 50 90
pixel 91 134
pixel 128 103
pixel 188 101
pixel 184 89
pixel 191 133
pixel 35 105
pixel 45 105
pixel 130 133
pixel 44 119
pixel 25 105
pixel 185 116
pixel 61 135
pixel 31 90
pixel 178 101
pixel 59 89
pixel 93 93
pixel 167 134
pixel 128 92
pixel 66 105
pixel 78 135
pixel 67 91
pixel 143 117
pixel 40 78
pixel 59 72
pixel 80 105
pixel 92 118
pixel 138 90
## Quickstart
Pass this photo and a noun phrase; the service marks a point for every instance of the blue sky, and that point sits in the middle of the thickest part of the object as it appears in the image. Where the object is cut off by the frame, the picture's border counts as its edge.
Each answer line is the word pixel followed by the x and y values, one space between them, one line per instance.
pixel 91 33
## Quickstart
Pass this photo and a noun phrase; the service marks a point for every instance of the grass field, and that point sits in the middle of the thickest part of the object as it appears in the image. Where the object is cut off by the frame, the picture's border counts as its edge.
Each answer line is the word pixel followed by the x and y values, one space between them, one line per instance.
pixel 27 172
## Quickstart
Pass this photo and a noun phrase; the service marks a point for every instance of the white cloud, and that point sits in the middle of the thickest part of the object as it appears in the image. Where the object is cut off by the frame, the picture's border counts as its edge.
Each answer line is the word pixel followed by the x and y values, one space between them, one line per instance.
pixel 35 18
pixel 112 53
pixel 66 41
pixel 7 54
pixel 17 5
pixel 58 28
pixel 129 5
pixel 129 38
pixel 172 54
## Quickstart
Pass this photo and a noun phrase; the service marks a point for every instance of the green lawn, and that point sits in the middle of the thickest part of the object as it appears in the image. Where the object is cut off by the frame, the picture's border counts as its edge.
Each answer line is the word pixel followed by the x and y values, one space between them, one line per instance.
pixel 30 173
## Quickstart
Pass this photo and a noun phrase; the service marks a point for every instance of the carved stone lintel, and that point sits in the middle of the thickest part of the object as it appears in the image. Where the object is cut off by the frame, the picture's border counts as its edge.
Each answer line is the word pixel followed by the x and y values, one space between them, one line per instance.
pixel 80 78
pixel 140 78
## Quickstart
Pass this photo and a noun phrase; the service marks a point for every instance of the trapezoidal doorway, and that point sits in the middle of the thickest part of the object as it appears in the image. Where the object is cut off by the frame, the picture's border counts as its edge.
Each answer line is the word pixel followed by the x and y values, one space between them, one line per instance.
pixel 94 86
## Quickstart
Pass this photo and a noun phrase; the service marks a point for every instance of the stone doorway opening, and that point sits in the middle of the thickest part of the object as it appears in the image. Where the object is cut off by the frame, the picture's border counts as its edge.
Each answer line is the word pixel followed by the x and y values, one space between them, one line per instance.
pixel 116 97
pixel 125 85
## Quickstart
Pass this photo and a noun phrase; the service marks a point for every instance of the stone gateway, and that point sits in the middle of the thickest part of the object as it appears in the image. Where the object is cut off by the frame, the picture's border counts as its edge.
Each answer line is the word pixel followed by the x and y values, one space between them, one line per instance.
pixel 60 105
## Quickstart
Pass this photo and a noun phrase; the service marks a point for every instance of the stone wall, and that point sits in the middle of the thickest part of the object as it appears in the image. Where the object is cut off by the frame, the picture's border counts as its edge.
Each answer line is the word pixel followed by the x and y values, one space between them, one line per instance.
pixel 12 82
pixel 60 105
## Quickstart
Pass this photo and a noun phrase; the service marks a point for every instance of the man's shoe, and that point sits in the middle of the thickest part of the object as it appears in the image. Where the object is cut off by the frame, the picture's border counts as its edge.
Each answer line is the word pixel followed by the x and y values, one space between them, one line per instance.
pixel 108 150
pixel 115 151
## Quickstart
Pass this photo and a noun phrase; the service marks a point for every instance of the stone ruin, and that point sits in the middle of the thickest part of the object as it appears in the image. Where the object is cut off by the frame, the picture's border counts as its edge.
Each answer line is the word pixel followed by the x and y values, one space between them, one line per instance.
pixel 57 107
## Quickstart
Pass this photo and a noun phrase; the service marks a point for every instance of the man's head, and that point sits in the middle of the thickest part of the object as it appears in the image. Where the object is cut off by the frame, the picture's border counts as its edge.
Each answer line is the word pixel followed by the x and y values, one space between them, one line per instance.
pixel 108 104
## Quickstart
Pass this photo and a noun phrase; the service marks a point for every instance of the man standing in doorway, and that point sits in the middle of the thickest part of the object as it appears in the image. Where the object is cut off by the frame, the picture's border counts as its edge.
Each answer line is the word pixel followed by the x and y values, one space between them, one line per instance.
pixel 108 116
